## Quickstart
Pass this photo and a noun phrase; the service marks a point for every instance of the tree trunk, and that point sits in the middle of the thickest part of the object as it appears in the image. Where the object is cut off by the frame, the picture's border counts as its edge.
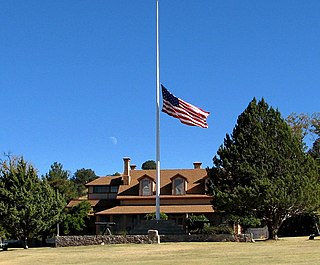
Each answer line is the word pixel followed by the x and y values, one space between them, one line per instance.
pixel 26 243
pixel 273 231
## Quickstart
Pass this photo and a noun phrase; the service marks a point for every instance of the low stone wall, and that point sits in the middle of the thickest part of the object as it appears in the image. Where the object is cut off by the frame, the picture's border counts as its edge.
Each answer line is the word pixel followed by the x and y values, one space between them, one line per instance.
pixel 67 241
pixel 198 238
pixel 207 238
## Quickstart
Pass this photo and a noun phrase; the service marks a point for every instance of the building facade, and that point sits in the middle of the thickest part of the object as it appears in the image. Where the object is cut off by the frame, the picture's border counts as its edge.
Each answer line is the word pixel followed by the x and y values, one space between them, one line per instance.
pixel 125 200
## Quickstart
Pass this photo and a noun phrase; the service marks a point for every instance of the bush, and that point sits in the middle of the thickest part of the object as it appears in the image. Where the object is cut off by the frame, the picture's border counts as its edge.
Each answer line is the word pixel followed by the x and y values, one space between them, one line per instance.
pixel 220 229
pixel 152 216
pixel 196 223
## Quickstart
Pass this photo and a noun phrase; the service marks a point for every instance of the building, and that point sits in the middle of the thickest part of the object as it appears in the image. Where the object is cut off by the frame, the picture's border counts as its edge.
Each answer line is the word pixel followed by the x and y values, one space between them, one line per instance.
pixel 126 199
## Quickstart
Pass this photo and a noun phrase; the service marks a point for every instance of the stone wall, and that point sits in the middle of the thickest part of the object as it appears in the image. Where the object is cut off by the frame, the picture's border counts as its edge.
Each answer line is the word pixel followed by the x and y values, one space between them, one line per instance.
pixel 198 238
pixel 66 241
pixel 207 238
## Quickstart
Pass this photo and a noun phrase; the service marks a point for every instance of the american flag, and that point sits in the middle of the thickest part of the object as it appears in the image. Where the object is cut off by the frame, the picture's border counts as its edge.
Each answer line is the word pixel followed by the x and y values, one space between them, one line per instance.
pixel 185 112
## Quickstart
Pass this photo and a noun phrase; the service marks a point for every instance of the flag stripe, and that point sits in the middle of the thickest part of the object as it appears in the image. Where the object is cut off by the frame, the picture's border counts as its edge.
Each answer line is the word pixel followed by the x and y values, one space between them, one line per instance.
pixel 185 119
pixel 184 116
pixel 193 110
pixel 184 111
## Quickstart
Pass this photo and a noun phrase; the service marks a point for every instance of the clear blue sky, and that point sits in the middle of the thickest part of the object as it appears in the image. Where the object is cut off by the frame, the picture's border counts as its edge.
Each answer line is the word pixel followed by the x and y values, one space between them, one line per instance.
pixel 77 78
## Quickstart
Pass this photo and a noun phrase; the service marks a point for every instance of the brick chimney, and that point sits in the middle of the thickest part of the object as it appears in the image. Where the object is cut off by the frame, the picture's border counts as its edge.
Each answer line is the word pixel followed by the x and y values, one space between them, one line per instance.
pixel 133 167
pixel 126 171
pixel 197 165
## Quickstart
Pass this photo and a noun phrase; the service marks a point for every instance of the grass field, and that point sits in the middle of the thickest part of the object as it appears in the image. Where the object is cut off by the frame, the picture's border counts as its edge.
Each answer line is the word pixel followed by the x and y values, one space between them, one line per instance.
pixel 298 250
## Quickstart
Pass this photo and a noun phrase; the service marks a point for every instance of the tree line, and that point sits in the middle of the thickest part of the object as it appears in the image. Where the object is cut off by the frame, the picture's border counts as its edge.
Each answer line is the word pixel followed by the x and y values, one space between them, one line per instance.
pixel 263 174
pixel 32 206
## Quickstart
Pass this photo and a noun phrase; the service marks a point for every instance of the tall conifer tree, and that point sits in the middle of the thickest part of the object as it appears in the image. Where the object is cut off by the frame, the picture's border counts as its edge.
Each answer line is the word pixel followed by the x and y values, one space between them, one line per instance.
pixel 59 180
pixel 28 206
pixel 261 173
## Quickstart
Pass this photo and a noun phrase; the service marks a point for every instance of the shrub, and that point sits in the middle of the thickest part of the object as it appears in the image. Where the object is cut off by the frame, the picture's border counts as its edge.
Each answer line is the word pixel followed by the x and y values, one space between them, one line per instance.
pixel 219 229
pixel 152 216
pixel 196 223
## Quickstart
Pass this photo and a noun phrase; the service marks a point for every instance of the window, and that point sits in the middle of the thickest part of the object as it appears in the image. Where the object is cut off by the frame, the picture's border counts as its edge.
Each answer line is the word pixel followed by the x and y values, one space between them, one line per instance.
pixel 101 189
pixel 114 189
pixel 178 186
pixel 146 187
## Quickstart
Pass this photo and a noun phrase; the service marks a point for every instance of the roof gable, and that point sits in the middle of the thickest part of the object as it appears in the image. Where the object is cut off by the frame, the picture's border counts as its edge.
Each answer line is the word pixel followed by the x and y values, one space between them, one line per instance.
pixel 179 176
pixel 146 176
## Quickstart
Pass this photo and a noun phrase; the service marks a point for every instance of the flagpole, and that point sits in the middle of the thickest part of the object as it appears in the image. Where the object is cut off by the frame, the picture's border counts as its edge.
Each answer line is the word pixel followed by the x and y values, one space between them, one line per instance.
pixel 158 116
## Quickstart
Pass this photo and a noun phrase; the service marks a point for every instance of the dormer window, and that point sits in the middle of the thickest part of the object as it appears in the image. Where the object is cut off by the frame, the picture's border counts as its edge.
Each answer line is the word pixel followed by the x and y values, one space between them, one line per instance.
pixel 179 185
pixel 146 186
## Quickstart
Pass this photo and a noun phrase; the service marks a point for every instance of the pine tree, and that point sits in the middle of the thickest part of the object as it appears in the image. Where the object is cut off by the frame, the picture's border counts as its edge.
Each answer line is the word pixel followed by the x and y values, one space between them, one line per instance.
pixel 261 173
pixel 82 177
pixel 59 180
pixel 76 218
pixel 28 206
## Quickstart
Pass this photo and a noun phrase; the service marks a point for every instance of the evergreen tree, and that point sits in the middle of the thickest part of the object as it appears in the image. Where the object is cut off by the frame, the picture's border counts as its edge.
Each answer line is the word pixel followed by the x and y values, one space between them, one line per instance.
pixel 261 173
pixel 80 178
pixel 315 150
pixel 58 178
pixel 150 164
pixel 76 218
pixel 28 206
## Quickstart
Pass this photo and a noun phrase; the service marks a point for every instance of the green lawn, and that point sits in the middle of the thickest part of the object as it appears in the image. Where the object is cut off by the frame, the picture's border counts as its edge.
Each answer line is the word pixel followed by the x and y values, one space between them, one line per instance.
pixel 297 250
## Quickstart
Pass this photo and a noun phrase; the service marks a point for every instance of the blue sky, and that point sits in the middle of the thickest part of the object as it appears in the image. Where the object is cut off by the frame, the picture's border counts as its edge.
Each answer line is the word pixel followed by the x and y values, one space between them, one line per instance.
pixel 77 78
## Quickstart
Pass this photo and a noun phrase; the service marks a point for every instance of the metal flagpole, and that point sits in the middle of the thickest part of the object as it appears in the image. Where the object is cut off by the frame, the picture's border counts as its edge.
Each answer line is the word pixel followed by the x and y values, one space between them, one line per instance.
pixel 158 118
